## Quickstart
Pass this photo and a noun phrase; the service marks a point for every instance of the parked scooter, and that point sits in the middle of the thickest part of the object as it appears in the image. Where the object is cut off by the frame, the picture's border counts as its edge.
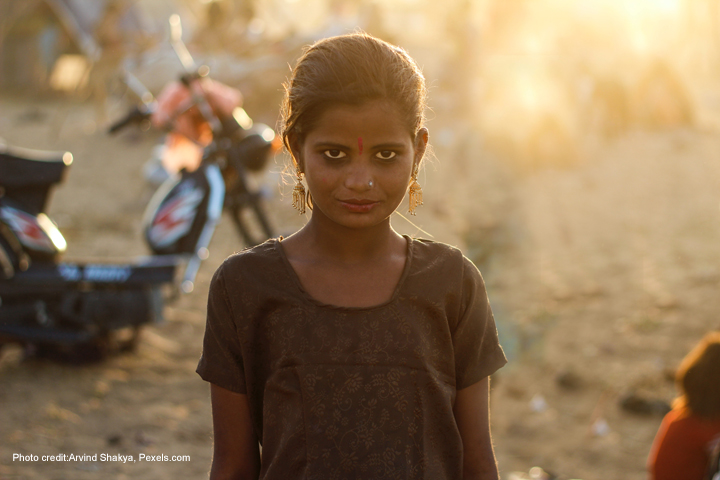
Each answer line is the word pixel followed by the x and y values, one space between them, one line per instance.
pixel 76 309
pixel 80 309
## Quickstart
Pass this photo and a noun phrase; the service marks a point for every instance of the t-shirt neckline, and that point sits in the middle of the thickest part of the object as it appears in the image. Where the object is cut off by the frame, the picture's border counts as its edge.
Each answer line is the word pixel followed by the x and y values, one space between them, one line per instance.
pixel 298 285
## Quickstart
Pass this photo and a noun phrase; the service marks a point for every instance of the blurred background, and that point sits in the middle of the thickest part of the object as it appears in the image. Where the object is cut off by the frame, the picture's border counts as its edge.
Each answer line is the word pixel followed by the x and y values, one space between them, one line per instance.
pixel 575 161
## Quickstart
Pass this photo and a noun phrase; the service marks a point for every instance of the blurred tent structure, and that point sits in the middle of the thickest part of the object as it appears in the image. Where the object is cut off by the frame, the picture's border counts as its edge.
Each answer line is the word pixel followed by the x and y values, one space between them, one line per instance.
pixel 38 37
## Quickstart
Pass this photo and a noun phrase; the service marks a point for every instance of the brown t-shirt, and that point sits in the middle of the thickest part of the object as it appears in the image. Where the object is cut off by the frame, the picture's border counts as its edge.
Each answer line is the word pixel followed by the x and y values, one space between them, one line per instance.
pixel 362 393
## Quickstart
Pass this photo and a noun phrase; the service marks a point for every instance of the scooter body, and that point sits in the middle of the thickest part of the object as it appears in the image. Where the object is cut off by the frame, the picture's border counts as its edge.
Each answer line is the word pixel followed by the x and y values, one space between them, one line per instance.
pixel 47 301
pixel 44 300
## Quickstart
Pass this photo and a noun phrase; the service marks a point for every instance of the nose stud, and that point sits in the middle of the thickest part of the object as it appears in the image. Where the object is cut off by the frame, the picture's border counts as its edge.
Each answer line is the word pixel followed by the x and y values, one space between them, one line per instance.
pixel 370 184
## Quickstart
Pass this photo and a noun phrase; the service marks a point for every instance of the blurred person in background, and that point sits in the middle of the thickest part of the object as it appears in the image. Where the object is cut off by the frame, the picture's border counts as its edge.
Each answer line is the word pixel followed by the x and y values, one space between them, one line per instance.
pixel 690 432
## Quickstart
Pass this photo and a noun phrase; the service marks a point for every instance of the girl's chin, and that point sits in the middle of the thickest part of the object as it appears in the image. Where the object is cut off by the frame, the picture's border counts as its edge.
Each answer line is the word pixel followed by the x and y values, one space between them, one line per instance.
pixel 349 219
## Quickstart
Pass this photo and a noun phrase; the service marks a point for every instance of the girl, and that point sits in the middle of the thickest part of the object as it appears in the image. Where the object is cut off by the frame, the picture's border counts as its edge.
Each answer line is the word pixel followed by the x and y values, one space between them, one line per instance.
pixel 687 435
pixel 346 349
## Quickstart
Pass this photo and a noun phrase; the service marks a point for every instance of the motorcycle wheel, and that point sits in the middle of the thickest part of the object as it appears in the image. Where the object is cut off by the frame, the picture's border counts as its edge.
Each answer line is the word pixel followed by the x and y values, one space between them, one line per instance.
pixel 125 339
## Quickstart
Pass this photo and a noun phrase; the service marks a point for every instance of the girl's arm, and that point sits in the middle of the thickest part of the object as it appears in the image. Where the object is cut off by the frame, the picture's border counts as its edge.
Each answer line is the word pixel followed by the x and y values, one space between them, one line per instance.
pixel 236 454
pixel 472 415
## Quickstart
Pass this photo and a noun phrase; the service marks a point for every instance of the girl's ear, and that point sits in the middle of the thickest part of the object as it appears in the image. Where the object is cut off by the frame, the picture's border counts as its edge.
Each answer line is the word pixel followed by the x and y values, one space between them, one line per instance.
pixel 295 151
pixel 421 142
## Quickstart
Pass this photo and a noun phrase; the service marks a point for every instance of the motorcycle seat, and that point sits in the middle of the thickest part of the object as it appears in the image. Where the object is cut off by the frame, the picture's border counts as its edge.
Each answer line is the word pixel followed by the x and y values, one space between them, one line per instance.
pixel 23 168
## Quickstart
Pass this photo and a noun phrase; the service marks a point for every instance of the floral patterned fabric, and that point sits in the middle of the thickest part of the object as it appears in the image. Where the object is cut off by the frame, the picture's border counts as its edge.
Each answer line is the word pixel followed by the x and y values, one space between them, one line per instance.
pixel 351 393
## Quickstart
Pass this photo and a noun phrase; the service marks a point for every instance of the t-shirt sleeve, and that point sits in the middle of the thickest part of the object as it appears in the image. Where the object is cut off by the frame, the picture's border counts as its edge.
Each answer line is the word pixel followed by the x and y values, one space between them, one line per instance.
pixel 221 362
pixel 677 451
pixel 478 353
pixel 664 460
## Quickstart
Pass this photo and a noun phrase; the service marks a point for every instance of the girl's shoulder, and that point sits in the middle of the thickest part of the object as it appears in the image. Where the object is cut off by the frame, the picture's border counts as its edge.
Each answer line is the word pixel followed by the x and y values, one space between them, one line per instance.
pixel 263 258
pixel 441 260
pixel 423 246
pixel 439 252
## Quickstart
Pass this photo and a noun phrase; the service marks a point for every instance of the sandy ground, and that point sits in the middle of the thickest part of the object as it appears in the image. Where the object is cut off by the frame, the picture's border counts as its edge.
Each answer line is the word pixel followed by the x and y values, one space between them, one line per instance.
pixel 605 273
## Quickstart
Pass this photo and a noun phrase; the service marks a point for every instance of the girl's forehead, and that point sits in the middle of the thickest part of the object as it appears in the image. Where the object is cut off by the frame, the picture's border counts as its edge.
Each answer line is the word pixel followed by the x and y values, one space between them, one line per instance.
pixel 370 107
pixel 376 118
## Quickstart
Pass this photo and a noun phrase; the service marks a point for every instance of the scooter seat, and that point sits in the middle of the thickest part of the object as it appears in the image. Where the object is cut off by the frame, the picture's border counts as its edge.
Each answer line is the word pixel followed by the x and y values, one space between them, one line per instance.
pixel 25 168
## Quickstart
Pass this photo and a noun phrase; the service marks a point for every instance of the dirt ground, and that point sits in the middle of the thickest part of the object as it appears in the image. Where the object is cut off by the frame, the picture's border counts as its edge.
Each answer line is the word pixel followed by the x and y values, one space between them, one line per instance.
pixel 604 274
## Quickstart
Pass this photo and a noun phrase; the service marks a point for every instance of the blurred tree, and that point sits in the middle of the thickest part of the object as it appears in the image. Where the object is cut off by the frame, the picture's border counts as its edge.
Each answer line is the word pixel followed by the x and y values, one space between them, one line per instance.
pixel 113 43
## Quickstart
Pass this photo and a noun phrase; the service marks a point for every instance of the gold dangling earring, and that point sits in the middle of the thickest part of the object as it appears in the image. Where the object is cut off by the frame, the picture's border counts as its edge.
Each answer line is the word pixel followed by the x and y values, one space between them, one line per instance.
pixel 414 194
pixel 299 193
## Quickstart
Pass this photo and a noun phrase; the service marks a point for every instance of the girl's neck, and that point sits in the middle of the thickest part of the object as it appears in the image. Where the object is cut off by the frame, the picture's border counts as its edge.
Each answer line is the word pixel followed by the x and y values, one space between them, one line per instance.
pixel 330 241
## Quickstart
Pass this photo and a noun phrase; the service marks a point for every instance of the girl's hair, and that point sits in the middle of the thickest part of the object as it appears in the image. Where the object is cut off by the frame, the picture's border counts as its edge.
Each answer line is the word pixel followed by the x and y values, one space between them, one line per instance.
pixel 351 69
pixel 698 378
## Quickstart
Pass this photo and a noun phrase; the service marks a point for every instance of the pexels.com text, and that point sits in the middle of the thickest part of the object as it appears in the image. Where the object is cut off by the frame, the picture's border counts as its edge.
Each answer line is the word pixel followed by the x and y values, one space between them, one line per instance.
pixel 103 457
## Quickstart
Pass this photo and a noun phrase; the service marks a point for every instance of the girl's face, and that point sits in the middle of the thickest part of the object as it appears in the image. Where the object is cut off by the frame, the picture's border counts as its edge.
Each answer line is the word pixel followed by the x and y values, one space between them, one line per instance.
pixel 357 161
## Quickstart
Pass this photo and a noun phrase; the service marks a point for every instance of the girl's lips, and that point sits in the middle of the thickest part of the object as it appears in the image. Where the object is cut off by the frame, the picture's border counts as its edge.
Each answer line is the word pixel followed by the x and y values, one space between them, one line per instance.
pixel 358 206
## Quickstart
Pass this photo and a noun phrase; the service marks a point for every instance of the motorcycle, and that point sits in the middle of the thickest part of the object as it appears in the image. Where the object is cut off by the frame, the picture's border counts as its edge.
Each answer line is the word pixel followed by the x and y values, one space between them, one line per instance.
pixel 203 117
pixel 81 309
pixel 237 147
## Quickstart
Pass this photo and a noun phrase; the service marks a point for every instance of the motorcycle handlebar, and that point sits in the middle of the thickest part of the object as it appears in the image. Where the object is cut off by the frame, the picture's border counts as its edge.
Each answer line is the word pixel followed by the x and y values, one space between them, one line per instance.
pixel 199 98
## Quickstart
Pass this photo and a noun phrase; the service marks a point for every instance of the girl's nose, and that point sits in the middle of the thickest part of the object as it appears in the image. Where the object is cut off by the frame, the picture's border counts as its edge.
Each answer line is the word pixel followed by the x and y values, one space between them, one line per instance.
pixel 359 180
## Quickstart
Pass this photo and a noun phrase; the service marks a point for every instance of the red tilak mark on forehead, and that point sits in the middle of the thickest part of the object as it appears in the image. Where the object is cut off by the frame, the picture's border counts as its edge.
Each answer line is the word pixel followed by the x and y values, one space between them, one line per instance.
pixel 360 144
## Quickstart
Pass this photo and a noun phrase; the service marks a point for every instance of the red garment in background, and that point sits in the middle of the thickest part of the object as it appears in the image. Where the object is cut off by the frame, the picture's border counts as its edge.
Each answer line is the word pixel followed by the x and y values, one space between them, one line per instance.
pixel 682 446
pixel 190 132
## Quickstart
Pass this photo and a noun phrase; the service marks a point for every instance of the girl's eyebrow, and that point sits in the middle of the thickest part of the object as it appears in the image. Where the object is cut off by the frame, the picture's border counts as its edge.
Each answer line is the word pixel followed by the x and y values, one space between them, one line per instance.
pixel 326 144
pixel 379 146
pixel 389 146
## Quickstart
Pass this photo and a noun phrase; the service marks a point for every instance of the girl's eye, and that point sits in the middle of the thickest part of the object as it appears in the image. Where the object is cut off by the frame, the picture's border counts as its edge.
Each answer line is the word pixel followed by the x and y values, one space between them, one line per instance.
pixel 335 154
pixel 385 155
